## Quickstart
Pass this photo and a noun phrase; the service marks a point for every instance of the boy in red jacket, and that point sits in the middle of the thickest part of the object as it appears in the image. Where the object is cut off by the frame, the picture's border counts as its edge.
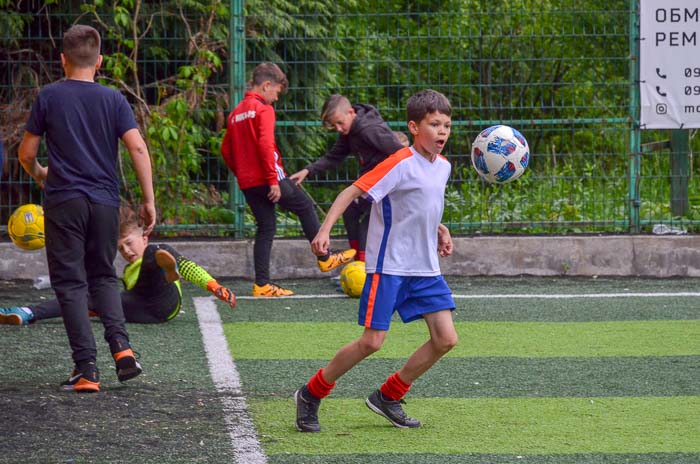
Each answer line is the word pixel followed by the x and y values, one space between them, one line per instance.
pixel 250 151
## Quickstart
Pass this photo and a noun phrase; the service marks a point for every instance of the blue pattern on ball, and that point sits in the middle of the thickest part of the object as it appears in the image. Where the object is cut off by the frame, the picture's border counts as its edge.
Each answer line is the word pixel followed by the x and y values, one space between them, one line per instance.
pixel 480 162
pixel 506 172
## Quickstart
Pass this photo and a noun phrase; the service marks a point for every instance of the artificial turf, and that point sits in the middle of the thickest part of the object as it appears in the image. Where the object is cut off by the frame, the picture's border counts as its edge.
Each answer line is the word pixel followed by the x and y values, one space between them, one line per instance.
pixel 320 340
pixel 490 425
pixel 532 381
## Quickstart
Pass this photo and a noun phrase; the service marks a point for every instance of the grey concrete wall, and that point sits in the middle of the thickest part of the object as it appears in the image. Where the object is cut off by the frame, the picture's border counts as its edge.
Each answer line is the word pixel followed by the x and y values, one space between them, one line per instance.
pixel 637 255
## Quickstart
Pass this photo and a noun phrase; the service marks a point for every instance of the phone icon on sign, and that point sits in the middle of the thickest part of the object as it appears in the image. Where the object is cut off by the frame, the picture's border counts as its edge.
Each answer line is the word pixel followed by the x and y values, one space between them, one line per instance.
pixel 658 73
pixel 658 90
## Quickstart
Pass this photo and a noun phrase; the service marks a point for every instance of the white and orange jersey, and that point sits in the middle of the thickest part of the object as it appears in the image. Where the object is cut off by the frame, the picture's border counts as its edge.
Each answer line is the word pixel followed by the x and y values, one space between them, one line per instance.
pixel 408 194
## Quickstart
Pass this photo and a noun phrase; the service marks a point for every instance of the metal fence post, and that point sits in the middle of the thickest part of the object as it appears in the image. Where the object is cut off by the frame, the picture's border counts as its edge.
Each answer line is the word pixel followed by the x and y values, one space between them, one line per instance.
pixel 635 133
pixel 236 72
pixel 680 171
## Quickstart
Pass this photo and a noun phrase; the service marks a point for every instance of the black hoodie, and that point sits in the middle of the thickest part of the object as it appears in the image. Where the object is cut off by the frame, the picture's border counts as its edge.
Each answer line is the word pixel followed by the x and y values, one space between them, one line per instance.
pixel 370 139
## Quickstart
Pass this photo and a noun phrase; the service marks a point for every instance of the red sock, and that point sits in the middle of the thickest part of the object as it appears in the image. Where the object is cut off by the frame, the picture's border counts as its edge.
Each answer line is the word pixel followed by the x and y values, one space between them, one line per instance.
pixel 355 245
pixel 394 388
pixel 318 386
pixel 360 256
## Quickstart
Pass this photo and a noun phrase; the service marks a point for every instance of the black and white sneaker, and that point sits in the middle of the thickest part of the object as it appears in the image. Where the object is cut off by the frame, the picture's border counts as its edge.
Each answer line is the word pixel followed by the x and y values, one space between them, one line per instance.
pixel 391 410
pixel 307 411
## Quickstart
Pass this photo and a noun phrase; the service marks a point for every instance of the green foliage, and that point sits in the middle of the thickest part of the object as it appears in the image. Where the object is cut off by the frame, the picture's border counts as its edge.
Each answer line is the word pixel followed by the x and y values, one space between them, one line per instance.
pixel 557 70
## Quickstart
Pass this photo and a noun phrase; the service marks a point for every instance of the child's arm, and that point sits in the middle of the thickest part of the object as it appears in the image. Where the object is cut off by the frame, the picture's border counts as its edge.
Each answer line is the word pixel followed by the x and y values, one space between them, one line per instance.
pixel 28 152
pixel 192 272
pixel 138 151
pixel 444 241
pixel 331 160
pixel 320 244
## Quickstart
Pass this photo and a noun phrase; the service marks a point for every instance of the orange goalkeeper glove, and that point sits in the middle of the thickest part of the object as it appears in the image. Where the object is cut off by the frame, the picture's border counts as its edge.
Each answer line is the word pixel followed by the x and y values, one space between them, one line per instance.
pixel 222 293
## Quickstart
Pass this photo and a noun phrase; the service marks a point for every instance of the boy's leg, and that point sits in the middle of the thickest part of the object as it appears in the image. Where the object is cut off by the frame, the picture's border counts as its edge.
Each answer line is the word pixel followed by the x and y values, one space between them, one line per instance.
pixel 443 337
pixel 138 311
pixel 264 212
pixel 298 202
pixel 46 310
pixel 351 221
pixel 387 400
pixel 363 226
pixel 101 249
pixel 66 230
pixel 308 398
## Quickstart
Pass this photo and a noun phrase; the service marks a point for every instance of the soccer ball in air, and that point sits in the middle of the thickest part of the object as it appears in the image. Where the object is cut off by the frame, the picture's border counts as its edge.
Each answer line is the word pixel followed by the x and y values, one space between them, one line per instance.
pixel 500 154
pixel 26 227
pixel 352 278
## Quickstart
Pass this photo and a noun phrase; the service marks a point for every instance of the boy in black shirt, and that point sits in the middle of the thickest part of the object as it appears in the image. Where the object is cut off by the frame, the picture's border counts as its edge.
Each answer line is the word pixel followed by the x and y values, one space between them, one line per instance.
pixel 82 122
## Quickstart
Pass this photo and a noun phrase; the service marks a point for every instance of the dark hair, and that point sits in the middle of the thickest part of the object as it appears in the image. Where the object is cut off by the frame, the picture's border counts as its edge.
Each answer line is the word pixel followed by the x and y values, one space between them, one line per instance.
pixel 81 46
pixel 268 72
pixel 426 102
pixel 331 105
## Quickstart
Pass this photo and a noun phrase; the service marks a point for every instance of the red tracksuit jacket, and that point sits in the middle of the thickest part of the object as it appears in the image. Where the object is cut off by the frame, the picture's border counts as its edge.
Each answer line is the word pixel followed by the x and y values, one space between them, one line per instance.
pixel 249 147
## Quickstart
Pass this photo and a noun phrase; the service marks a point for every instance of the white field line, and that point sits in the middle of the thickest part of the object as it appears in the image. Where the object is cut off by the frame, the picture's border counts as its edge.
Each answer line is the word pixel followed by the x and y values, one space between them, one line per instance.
pixel 533 296
pixel 244 438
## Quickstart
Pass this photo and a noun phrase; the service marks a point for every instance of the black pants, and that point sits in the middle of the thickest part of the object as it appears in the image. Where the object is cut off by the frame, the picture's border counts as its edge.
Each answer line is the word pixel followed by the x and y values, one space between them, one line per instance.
pixel 294 200
pixel 151 301
pixel 356 220
pixel 81 243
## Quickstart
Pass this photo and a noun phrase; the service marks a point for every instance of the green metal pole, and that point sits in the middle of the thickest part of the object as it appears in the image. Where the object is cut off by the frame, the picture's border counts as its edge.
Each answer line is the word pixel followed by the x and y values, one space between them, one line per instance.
pixel 680 171
pixel 634 109
pixel 236 73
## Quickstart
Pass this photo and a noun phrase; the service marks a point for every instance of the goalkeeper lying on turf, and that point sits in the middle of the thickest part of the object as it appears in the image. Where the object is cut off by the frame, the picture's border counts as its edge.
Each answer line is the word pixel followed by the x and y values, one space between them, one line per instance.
pixel 151 280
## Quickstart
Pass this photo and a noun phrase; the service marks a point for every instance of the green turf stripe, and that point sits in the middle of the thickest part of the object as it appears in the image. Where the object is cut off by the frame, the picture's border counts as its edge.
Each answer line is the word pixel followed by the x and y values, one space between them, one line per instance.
pixel 502 426
pixel 652 458
pixel 258 340
pixel 493 377
pixel 618 309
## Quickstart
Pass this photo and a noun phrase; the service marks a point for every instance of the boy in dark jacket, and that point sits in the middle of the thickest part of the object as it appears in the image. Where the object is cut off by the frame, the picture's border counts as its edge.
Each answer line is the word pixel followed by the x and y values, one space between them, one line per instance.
pixel 364 133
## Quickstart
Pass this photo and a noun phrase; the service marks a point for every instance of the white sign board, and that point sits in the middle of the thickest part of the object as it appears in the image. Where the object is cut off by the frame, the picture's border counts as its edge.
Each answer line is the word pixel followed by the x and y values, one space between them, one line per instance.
pixel 669 70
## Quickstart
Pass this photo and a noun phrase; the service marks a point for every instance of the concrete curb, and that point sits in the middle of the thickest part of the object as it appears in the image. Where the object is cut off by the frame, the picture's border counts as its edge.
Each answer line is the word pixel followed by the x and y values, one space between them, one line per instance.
pixel 605 255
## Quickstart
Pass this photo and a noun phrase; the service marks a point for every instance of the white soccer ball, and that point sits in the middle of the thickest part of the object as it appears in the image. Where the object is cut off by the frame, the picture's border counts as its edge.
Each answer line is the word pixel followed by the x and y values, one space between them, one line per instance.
pixel 500 154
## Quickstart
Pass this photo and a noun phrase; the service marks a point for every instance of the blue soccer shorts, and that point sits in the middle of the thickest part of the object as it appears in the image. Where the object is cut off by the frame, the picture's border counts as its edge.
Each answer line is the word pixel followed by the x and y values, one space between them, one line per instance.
pixel 411 297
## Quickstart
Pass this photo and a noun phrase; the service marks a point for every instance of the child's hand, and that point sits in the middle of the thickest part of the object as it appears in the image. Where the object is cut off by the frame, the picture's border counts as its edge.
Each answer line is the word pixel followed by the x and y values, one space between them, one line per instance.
pixel 298 177
pixel 274 194
pixel 444 241
pixel 320 244
pixel 222 293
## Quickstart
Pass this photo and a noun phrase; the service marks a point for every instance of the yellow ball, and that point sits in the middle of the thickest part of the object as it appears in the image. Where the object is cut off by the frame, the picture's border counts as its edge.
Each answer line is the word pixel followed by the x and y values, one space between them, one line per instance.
pixel 352 278
pixel 26 227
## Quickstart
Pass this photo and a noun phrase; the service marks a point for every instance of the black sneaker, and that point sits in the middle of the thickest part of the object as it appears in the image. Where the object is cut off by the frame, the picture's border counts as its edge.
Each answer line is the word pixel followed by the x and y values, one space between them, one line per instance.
pixel 127 365
pixel 391 410
pixel 83 380
pixel 307 411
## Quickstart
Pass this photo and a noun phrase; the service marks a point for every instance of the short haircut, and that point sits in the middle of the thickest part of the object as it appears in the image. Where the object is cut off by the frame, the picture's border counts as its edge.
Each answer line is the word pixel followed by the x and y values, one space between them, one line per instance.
pixel 269 72
pixel 332 105
pixel 402 138
pixel 128 221
pixel 81 46
pixel 425 102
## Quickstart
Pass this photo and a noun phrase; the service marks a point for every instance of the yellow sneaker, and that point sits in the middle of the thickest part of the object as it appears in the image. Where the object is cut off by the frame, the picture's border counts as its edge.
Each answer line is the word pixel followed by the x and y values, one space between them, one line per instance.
pixel 335 259
pixel 167 262
pixel 270 290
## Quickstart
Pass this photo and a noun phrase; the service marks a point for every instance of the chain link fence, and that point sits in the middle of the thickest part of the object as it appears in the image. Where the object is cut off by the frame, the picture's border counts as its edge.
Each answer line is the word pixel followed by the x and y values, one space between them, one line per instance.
pixel 564 73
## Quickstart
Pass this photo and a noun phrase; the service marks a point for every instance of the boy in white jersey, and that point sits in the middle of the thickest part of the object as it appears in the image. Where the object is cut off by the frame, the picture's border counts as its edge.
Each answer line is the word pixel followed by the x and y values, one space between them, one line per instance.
pixel 403 274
